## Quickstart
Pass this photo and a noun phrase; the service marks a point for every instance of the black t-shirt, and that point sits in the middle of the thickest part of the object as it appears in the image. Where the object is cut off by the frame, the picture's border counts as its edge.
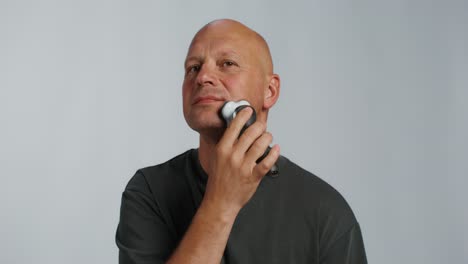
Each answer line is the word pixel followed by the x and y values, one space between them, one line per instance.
pixel 293 218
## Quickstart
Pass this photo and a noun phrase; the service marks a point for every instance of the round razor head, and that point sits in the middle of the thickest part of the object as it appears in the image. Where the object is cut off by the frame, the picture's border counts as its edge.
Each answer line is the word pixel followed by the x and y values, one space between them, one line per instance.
pixel 230 109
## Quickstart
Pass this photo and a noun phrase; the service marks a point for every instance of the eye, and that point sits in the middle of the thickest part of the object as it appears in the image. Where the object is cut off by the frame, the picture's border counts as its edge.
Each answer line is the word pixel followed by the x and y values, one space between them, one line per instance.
pixel 193 68
pixel 229 63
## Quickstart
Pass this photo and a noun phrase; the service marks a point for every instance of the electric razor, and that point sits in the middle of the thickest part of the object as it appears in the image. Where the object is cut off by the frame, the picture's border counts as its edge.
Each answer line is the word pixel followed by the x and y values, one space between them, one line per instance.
pixel 229 111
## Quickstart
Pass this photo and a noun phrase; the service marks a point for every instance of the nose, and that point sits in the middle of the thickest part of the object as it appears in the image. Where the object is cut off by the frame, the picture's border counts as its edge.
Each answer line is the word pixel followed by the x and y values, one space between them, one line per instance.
pixel 206 75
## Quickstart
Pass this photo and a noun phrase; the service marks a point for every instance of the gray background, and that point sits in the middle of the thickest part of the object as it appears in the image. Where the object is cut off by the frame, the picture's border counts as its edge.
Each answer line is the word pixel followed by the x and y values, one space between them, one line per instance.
pixel 373 100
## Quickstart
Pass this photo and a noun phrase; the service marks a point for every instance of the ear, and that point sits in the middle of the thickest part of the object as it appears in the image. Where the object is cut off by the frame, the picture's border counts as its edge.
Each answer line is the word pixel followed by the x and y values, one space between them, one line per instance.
pixel 272 92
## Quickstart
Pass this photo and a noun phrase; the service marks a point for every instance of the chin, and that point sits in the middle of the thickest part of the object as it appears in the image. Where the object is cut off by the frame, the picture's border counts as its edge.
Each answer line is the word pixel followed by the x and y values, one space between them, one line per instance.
pixel 208 125
pixel 205 121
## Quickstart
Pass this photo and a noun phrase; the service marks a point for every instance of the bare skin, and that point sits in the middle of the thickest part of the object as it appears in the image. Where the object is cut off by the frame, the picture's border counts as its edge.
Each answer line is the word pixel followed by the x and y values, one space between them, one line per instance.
pixel 226 61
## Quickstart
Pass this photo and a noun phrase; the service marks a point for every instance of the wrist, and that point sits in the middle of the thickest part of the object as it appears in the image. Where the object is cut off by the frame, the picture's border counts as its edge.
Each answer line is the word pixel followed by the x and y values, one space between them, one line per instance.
pixel 218 211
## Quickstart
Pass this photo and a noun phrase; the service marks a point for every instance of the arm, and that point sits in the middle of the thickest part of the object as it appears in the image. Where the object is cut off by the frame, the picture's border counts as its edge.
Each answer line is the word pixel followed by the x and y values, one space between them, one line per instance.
pixel 206 238
pixel 340 238
pixel 232 181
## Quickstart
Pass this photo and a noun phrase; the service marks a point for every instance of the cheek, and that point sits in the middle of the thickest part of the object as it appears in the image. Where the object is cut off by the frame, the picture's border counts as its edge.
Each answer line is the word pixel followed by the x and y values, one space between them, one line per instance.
pixel 186 90
pixel 239 87
pixel 186 96
pixel 249 87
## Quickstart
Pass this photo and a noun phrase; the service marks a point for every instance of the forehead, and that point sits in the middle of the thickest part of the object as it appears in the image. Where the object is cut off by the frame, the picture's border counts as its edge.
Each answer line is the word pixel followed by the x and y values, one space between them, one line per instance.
pixel 221 43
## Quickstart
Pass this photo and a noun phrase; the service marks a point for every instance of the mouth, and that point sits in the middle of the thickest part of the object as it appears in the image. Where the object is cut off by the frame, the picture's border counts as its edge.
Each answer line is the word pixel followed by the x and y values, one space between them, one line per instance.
pixel 207 100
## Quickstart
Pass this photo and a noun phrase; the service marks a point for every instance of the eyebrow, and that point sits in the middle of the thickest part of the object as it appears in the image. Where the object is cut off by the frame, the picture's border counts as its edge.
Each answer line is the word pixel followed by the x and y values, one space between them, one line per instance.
pixel 192 58
pixel 220 54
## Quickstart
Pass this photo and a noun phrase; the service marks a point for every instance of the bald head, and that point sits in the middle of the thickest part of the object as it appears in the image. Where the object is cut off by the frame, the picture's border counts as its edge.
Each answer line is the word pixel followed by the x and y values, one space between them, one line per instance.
pixel 254 41
pixel 227 61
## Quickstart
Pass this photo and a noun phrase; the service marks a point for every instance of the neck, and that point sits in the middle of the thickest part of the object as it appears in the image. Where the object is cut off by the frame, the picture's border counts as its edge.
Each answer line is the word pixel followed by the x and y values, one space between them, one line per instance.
pixel 207 152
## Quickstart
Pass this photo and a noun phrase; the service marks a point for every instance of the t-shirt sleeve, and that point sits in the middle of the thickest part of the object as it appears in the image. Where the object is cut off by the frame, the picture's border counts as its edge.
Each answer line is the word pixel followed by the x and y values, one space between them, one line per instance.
pixel 340 236
pixel 346 249
pixel 142 235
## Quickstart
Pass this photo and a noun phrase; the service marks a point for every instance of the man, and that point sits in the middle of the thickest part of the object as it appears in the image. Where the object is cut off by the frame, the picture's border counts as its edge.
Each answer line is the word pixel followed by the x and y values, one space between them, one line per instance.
pixel 214 204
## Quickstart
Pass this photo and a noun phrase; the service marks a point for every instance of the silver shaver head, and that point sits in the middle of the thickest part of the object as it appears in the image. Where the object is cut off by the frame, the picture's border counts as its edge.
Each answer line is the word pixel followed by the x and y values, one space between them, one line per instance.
pixel 228 111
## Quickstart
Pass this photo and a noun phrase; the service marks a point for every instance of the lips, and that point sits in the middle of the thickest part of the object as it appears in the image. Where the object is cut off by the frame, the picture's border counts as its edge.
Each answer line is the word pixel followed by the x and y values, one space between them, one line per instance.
pixel 207 99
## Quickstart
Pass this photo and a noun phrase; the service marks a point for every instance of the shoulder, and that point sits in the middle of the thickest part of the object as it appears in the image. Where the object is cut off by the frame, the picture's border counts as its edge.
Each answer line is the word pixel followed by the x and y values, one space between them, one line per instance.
pixel 309 182
pixel 330 210
pixel 174 165
pixel 337 229
pixel 158 181
pixel 159 174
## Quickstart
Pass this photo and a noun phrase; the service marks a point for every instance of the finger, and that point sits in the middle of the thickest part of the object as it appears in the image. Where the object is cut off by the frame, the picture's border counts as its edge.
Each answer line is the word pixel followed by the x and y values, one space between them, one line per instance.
pixel 262 168
pixel 258 148
pixel 232 132
pixel 249 136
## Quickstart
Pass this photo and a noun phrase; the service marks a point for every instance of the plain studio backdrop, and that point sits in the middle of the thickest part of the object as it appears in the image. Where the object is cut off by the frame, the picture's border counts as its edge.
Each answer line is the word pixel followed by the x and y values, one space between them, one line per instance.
pixel 373 100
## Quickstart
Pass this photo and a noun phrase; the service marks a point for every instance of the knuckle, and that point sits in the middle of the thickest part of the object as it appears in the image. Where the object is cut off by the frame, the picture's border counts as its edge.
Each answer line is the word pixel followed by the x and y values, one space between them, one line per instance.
pixel 252 132
pixel 235 158
pixel 221 150
pixel 247 111
pixel 262 126
pixel 264 141
pixel 244 114
pixel 264 167
pixel 245 172
pixel 269 136
pixel 259 128
pixel 256 147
